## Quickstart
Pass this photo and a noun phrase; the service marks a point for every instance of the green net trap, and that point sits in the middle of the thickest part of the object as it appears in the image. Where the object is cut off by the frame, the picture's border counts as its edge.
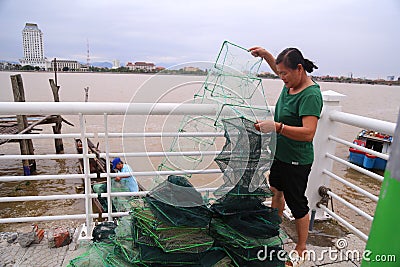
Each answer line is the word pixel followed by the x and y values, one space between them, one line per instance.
pixel 233 86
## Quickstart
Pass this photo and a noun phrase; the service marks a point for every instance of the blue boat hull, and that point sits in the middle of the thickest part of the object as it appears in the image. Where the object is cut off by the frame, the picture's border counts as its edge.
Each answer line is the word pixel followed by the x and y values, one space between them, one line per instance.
pixel 362 160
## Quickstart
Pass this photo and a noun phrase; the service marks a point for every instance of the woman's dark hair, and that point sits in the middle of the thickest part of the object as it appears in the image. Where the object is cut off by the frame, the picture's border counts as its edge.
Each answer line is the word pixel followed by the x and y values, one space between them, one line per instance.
pixel 292 57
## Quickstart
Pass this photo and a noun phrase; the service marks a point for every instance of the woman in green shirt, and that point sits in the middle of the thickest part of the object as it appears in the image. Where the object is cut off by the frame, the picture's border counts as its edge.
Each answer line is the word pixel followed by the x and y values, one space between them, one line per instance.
pixel 295 120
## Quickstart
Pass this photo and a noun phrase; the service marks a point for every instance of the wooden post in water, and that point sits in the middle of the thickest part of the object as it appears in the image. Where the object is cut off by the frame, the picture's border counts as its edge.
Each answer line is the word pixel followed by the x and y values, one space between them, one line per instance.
pixel 86 93
pixel 57 127
pixel 26 145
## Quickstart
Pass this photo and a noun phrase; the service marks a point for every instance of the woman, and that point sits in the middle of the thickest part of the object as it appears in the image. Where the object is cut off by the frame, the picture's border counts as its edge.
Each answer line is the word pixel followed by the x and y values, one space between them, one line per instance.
pixel 127 181
pixel 295 120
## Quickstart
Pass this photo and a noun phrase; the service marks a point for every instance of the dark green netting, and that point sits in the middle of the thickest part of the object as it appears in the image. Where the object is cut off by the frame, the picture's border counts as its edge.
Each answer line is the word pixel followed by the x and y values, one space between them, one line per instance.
pixel 244 225
pixel 150 253
pixel 245 247
pixel 176 202
pixel 232 204
pixel 99 254
pixel 170 238
pixel 244 158
pixel 262 223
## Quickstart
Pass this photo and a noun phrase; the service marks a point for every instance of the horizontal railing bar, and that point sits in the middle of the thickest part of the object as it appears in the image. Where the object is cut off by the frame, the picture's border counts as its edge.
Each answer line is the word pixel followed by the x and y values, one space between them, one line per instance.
pixel 43 136
pixel 112 135
pixel 363 122
pixel 161 173
pixel 94 175
pixel 99 108
pixel 71 196
pixel 164 134
pixel 144 193
pixel 82 196
pixel 351 206
pixel 355 167
pixel 43 177
pixel 346 223
pixel 110 108
pixel 162 154
pixel 45 218
pixel 364 149
pixel 356 188
pixel 41 198
pixel 47 156
pixel 57 217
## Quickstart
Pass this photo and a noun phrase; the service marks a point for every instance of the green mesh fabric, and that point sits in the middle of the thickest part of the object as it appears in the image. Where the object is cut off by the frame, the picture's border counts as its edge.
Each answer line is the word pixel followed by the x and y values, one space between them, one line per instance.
pixel 231 84
pixel 96 255
pixel 119 203
pixel 244 225
pixel 177 203
pixel 170 238
pixel 155 256
pixel 244 158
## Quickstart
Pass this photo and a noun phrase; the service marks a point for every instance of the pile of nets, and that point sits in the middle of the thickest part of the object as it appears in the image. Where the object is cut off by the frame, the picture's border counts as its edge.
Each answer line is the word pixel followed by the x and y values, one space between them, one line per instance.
pixel 171 235
pixel 175 225
pixel 242 224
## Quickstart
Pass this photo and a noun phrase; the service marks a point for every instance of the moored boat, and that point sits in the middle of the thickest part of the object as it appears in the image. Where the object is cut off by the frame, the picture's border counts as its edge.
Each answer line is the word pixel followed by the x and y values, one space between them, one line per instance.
pixel 373 140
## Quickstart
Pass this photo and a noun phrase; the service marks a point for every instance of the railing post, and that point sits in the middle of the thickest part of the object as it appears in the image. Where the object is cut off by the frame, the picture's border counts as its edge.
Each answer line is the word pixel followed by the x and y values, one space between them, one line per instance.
pixel 86 171
pixel 108 168
pixel 322 146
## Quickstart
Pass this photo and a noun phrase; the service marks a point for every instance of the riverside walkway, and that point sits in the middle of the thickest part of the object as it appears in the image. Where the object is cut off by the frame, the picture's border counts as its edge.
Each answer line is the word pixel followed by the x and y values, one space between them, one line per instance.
pixel 344 251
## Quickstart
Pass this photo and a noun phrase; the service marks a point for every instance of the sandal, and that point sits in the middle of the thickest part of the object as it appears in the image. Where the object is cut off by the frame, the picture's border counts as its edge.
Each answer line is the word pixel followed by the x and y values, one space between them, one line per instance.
pixel 295 261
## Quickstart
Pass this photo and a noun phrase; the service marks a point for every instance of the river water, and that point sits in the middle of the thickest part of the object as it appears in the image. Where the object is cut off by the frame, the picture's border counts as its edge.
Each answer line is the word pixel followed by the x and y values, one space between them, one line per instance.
pixel 375 101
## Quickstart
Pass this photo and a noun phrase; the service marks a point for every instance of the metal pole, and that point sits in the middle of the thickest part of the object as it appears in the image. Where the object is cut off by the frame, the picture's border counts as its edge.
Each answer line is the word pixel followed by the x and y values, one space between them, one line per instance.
pixel 55 71
pixel 108 168
pixel 86 170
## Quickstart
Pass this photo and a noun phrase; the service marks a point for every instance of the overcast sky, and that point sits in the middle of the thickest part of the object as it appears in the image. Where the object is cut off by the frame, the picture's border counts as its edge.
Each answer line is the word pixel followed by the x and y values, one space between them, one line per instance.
pixel 342 36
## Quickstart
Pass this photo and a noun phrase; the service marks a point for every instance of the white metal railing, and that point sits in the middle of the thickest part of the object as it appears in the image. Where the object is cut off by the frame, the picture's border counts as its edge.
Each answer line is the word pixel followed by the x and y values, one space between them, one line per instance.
pixel 337 116
pixel 99 109
pixel 324 142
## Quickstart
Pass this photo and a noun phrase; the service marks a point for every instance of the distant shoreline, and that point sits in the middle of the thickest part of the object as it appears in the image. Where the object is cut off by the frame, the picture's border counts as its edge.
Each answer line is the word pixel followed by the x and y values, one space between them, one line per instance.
pixel 268 76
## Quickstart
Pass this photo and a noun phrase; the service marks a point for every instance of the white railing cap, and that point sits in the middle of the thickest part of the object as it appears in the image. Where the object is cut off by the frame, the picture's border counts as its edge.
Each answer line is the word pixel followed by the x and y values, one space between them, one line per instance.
pixel 332 96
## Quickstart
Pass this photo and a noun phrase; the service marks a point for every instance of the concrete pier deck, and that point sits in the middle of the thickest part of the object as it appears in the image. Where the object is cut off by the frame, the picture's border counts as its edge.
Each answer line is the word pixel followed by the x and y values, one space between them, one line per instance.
pixel 326 250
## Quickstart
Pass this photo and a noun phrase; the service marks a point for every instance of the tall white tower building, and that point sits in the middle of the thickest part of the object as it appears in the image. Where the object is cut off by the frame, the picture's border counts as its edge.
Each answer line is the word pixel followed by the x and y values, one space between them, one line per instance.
pixel 116 64
pixel 32 41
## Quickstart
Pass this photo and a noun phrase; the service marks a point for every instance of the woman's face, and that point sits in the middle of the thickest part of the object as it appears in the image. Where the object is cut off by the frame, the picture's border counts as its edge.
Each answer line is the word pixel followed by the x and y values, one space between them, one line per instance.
pixel 290 77
pixel 119 166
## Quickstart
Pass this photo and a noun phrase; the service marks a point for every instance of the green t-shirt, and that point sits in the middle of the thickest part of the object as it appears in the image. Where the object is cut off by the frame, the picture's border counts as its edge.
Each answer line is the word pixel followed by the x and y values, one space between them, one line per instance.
pixel 289 110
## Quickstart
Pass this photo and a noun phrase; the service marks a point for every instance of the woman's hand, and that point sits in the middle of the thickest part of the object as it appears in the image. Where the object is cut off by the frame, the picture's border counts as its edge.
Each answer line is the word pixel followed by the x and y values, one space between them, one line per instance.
pixel 265 126
pixel 258 51
pixel 117 178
